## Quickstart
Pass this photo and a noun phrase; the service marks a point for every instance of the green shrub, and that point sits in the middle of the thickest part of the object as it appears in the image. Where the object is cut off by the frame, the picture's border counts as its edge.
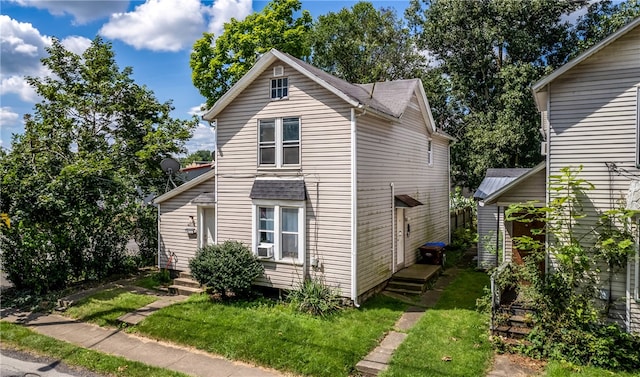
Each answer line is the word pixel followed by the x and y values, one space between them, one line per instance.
pixel 226 269
pixel 316 298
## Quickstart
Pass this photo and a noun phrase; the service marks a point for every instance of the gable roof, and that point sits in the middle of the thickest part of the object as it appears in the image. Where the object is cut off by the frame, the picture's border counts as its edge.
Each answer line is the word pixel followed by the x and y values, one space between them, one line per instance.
pixel 540 94
pixel 384 99
pixel 185 186
pixel 493 197
pixel 496 179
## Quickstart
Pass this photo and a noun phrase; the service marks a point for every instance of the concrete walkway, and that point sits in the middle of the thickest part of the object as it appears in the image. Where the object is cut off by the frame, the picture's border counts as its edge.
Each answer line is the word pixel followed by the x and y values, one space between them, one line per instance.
pixel 378 359
pixel 151 352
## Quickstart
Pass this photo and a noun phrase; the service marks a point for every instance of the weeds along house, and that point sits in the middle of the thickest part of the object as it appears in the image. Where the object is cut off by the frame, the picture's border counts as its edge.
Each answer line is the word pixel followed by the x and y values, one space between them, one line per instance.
pixel 319 177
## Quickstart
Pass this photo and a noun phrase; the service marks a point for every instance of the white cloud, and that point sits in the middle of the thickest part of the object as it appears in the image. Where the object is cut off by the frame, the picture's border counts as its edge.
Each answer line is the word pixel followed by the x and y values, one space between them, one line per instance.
pixel 7 117
pixel 82 11
pixel 18 85
pixel 203 139
pixel 10 123
pixel 21 46
pixel 158 25
pixel 222 11
pixel 76 44
pixel 197 110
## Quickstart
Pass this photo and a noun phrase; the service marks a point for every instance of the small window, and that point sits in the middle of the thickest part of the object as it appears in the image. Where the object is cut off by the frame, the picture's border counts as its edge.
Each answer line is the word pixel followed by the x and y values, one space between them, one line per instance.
pixel 429 152
pixel 279 88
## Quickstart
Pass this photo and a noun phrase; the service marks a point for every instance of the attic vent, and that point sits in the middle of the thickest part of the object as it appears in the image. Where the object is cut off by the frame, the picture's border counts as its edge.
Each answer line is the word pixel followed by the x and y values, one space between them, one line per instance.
pixel 278 71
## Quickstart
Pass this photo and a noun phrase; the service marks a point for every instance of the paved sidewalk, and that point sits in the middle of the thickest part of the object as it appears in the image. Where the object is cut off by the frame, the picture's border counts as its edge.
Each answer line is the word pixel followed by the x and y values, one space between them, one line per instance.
pixel 148 351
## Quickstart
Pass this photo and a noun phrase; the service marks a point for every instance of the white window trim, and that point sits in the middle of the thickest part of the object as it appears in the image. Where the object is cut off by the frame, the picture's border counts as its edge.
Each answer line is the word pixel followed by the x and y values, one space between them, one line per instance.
pixel 279 144
pixel 429 152
pixel 278 205
pixel 270 87
pixel 201 226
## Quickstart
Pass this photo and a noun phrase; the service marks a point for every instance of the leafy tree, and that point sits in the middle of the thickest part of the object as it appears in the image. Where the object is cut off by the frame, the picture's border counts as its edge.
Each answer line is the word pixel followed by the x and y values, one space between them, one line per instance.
pixel 200 155
pixel 69 182
pixel 362 45
pixel 489 52
pixel 603 18
pixel 218 63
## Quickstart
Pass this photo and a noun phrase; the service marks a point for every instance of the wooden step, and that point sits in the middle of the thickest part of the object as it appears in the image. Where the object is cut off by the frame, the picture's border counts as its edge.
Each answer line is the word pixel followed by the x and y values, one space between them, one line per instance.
pixel 514 332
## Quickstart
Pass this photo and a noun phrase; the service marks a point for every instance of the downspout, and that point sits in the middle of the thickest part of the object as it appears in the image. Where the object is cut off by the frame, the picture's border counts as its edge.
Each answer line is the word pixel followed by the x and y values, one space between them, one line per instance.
pixel 498 237
pixel 354 213
pixel 632 293
pixel 449 196
pixel 215 178
pixel 547 193
pixel 393 227
pixel 159 243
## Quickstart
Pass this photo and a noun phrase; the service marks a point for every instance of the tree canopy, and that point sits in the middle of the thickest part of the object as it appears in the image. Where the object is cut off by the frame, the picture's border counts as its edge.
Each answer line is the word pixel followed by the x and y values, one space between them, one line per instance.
pixel 218 62
pixel 364 44
pixel 489 53
pixel 69 182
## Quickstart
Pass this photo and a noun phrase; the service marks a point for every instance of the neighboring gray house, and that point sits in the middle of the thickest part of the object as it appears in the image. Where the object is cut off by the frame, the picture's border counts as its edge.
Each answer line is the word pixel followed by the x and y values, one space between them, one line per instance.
pixel 591 117
pixel 499 189
pixel 318 177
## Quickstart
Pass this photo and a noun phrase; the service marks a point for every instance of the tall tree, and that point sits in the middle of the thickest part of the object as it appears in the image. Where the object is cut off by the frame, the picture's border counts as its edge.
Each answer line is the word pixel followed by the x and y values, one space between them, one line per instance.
pixel 219 62
pixel 69 182
pixel 603 18
pixel 364 44
pixel 490 51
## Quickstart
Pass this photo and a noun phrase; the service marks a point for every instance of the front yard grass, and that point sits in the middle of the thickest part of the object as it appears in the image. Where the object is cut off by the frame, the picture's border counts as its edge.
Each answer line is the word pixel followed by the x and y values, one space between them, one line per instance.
pixel 272 334
pixel 452 338
pixel 104 307
pixel 24 339
pixel 559 369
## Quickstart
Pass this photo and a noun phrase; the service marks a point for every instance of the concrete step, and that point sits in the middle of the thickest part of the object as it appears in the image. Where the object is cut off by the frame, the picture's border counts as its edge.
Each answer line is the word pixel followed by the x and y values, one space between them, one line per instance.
pixel 184 291
pixel 185 275
pixel 514 332
pixel 520 321
pixel 370 368
pixel 407 285
pixel 186 282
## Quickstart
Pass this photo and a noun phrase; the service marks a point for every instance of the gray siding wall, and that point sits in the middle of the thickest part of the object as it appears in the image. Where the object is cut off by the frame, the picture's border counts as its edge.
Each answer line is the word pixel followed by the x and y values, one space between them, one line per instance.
pixel 489 228
pixel 174 218
pixel 325 166
pixel 532 188
pixel 397 153
pixel 592 114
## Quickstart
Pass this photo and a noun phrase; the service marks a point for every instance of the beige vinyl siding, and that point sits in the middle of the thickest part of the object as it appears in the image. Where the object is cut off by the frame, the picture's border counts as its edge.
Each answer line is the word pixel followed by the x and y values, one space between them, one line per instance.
pixel 530 189
pixel 325 167
pixel 592 114
pixel 174 218
pixel 489 227
pixel 397 153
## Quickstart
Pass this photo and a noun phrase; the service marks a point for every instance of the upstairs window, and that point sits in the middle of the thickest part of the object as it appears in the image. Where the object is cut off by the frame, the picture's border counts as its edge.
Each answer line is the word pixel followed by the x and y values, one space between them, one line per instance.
pixel 429 152
pixel 279 142
pixel 279 88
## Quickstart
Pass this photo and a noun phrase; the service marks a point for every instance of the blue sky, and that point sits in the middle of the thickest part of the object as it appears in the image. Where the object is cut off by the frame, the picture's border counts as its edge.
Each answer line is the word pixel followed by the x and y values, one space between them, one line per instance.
pixel 154 37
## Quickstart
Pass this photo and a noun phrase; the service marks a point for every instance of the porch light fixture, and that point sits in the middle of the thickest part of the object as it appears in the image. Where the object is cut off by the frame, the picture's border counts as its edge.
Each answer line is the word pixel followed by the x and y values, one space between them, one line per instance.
pixel 191 227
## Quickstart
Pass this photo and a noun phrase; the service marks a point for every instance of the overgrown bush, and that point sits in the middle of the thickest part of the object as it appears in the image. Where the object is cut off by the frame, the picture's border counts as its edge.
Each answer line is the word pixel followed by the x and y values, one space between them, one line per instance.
pixel 228 269
pixel 316 298
pixel 571 321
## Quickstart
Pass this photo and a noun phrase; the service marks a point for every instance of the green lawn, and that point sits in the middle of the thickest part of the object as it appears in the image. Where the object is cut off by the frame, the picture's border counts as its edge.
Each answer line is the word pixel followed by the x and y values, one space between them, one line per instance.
pixel 558 369
pixel 104 307
pixel 272 334
pixel 22 338
pixel 451 331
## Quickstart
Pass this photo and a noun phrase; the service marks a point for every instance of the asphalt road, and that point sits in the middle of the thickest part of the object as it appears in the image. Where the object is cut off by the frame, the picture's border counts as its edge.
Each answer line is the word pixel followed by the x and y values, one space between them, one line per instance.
pixel 20 364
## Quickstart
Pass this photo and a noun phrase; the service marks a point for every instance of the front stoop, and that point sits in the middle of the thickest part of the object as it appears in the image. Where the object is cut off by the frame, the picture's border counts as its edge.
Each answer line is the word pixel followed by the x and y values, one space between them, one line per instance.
pixel 184 285
pixel 378 359
pixel 414 279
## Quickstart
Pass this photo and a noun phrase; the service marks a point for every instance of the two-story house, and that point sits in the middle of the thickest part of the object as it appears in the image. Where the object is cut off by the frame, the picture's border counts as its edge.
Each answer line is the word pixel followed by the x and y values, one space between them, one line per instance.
pixel 317 176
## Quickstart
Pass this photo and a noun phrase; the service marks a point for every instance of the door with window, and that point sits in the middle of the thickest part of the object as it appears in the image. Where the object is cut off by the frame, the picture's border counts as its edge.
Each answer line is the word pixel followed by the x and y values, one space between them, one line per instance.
pixel 400 238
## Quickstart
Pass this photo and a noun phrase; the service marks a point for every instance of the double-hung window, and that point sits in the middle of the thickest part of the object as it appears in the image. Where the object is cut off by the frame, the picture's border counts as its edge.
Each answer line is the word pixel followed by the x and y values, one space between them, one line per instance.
pixel 279 142
pixel 279 230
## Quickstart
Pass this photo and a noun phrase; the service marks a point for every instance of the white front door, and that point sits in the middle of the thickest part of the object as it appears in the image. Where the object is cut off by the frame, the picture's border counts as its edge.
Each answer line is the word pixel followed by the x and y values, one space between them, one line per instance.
pixel 400 236
pixel 207 232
